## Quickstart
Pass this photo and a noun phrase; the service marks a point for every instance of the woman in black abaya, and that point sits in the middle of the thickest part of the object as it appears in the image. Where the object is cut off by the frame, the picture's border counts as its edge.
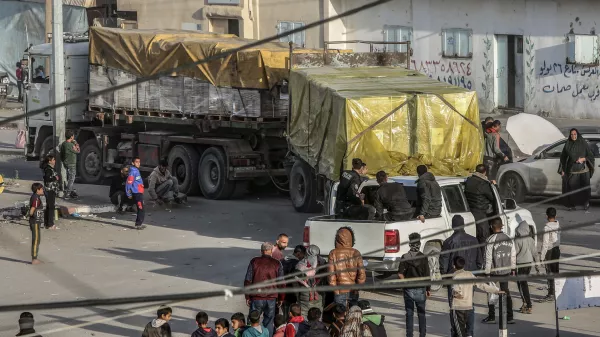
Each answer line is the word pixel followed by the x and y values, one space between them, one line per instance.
pixel 576 168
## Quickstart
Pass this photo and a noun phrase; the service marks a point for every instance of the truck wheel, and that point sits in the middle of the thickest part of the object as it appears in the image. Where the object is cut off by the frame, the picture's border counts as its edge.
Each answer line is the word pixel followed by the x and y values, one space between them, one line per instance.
pixel 212 177
pixel 46 147
pixel 513 187
pixel 433 248
pixel 183 162
pixel 90 162
pixel 303 188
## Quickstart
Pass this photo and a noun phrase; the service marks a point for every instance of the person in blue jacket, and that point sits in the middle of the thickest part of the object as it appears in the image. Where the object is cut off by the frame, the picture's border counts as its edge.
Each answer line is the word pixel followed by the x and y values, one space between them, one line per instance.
pixel 134 188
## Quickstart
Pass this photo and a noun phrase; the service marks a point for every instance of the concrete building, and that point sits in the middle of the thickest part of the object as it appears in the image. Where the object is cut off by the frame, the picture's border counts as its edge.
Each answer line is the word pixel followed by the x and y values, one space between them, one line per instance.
pixel 540 56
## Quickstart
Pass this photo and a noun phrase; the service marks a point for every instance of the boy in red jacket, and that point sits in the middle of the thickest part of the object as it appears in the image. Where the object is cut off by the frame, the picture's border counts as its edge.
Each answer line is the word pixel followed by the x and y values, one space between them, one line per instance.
pixel 291 329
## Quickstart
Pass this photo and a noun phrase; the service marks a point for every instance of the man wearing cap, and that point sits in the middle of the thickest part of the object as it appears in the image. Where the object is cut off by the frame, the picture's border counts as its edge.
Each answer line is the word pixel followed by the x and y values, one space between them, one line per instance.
pixel 349 202
pixel 392 197
pixel 261 269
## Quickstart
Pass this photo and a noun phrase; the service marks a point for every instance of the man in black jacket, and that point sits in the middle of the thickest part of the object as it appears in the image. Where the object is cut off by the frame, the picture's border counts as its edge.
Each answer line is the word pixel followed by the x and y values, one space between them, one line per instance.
pixel 473 258
pixel 391 196
pixel 117 194
pixel 430 195
pixel 479 194
pixel 349 202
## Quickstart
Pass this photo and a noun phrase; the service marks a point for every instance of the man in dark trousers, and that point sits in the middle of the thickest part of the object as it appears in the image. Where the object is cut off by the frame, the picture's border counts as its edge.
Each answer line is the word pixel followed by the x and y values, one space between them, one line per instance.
pixel 261 269
pixel 117 194
pixel 479 194
pixel 135 190
pixel 349 202
pixel 391 196
pixel 429 193
pixel 473 261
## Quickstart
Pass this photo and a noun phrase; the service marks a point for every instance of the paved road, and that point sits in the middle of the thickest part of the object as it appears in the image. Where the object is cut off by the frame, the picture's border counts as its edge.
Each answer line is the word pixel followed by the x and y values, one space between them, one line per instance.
pixel 202 247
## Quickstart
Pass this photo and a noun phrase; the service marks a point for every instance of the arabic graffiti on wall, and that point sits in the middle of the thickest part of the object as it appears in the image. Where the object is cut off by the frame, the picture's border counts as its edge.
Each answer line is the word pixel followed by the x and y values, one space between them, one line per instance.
pixel 568 70
pixel 577 81
pixel 487 84
pixel 583 91
pixel 453 72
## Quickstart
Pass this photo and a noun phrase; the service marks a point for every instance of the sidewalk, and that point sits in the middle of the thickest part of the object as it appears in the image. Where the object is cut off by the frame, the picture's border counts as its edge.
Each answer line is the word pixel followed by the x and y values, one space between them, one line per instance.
pixel 12 109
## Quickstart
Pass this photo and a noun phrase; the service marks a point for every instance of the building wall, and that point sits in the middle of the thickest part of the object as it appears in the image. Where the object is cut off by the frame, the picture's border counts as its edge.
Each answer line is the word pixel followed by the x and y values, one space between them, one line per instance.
pixel 549 86
pixel 180 13
pixel 305 11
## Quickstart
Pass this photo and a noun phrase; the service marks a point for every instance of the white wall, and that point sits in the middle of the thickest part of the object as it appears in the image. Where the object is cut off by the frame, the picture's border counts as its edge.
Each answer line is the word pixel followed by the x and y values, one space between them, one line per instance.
pixel 543 24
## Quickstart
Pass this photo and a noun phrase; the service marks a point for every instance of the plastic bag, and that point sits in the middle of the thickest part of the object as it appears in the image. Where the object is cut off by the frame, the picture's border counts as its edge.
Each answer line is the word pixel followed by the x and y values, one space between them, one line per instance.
pixel 20 141
pixel 493 299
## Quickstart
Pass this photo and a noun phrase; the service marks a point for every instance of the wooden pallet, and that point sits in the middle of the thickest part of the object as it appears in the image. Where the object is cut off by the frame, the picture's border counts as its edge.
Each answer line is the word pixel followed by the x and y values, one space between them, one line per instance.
pixel 210 117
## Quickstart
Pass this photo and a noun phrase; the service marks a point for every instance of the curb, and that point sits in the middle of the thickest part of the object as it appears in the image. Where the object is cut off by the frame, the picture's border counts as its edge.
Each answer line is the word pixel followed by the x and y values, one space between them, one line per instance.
pixel 64 210
pixel 12 152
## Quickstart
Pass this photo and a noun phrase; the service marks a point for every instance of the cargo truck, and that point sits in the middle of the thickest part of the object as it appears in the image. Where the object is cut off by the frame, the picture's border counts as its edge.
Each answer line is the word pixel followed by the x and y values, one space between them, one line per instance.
pixel 221 125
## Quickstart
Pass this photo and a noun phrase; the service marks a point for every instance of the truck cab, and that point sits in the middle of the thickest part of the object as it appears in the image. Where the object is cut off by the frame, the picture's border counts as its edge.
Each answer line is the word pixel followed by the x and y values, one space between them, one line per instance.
pixel 383 243
pixel 38 93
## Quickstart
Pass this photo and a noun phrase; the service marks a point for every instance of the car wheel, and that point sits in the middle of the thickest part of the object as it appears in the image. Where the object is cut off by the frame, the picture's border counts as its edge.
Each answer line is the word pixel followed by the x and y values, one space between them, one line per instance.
pixel 432 250
pixel 513 187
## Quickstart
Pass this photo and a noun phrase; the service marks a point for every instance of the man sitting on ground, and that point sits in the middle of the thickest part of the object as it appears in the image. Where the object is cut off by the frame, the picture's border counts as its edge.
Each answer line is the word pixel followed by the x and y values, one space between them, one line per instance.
pixel 162 186
pixel 117 194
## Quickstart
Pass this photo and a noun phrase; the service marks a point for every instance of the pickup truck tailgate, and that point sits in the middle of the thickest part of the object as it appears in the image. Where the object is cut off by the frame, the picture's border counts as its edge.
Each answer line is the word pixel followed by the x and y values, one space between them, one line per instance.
pixel 368 235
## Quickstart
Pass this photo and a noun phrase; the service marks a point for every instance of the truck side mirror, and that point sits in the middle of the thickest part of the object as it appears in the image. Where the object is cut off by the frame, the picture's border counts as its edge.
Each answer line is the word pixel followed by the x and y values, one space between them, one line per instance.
pixel 510 204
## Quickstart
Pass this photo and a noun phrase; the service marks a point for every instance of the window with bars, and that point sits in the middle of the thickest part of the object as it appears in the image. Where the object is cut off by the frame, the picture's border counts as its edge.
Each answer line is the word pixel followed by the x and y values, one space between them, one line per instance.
pixel 457 42
pixel 296 38
pixel 396 34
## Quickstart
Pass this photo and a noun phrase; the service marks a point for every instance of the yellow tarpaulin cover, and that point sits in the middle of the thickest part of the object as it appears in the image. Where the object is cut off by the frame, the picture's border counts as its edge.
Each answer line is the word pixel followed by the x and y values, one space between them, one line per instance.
pixel 393 119
pixel 147 52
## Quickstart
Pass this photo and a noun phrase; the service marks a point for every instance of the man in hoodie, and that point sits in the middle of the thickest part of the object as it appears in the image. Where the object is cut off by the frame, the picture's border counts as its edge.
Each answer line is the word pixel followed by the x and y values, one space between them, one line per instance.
pixel 414 264
pixel 295 319
pixel 134 189
pixel 526 255
pixel 349 202
pixel 255 329
pixel 26 323
pixel 238 323
pixel 162 186
pixel 492 152
pixel 480 197
pixel 203 329
pixel 262 269
pixel 551 249
pixel 159 327
pixel 345 267
pixel 500 260
pixel 429 194
pixel 308 265
pixel 313 327
pixel 373 320
pixel 458 243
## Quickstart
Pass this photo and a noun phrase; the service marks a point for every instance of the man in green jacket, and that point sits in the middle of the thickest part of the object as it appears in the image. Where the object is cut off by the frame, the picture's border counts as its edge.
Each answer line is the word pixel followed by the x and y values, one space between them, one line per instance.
pixel 68 155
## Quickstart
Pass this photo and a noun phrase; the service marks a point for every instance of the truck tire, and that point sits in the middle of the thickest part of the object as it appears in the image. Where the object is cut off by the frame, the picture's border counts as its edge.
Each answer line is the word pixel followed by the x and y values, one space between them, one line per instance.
pixel 47 147
pixel 432 250
pixel 212 176
pixel 90 167
pixel 183 162
pixel 303 188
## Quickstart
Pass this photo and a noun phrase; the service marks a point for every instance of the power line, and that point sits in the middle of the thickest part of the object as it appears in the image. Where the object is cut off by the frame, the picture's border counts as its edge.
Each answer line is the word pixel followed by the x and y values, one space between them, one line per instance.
pixel 202 61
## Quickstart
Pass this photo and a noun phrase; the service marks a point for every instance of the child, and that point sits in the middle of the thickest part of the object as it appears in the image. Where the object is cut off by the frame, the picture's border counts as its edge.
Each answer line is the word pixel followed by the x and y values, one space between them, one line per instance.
pixel 222 328
pixel 526 255
pixel 36 219
pixel 293 326
pixel 255 329
pixel 238 323
pixel 26 325
pixel 551 249
pixel 339 314
pixel 462 296
pixel 279 326
pixel 51 187
pixel 203 329
pixel 159 327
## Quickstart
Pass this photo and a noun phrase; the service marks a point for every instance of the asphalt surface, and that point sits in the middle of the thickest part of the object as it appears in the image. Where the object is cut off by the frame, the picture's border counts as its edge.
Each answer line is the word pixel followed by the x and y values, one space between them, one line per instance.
pixel 206 246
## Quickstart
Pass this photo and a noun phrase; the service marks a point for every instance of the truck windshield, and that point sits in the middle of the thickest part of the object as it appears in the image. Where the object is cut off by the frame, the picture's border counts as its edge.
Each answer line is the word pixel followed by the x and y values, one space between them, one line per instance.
pixel 39 73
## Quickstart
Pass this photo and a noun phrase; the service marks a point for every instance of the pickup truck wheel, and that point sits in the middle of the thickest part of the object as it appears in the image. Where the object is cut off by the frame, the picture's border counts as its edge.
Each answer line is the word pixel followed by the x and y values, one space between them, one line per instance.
pixel 90 162
pixel 513 187
pixel 432 251
pixel 183 163
pixel 212 175
pixel 303 188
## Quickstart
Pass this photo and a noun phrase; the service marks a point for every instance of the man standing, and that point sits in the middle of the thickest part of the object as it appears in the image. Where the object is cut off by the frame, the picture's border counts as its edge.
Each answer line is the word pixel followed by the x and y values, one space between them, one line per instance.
pixel 480 197
pixel 261 269
pixel 414 264
pixel 68 155
pixel 135 190
pixel 391 196
pixel 162 186
pixel 345 267
pixel 19 75
pixel 493 154
pixel 430 195
pixel 500 260
pixel 472 257
pixel 349 201
pixel 280 245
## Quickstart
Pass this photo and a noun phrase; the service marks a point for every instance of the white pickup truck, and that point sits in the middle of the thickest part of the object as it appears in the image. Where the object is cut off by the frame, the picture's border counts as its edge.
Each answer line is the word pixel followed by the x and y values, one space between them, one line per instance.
pixel 383 243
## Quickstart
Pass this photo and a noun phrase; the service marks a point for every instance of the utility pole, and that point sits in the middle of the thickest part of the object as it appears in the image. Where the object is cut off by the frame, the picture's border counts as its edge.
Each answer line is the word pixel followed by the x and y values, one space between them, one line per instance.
pixel 58 81
pixel 48 29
